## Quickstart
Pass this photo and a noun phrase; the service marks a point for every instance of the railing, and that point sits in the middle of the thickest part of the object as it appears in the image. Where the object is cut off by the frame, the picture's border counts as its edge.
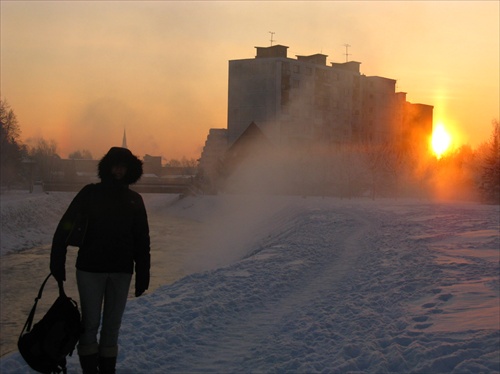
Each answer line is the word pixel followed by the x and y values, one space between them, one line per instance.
pixel 177 188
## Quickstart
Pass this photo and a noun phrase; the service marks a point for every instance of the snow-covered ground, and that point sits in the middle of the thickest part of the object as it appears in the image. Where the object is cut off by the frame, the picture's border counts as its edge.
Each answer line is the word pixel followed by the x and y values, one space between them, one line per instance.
pixel 306 285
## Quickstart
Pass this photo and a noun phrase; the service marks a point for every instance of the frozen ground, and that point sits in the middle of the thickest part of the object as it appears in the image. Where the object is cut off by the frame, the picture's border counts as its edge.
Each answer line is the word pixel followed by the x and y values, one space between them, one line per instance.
pixel 289 284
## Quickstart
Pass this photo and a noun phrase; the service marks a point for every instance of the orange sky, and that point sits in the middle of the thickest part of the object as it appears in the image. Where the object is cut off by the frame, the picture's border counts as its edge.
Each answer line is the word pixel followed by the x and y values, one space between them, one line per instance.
pixel 80 72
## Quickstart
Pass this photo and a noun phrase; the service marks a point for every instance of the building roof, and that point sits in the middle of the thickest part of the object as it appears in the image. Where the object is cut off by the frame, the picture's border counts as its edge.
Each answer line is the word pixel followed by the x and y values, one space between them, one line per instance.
pixel 244 146
pixel 317 58
pixel 272 51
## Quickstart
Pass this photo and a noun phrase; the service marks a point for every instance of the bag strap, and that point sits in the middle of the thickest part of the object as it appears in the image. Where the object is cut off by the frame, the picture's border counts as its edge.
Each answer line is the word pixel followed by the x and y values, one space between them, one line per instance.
pixel 31 316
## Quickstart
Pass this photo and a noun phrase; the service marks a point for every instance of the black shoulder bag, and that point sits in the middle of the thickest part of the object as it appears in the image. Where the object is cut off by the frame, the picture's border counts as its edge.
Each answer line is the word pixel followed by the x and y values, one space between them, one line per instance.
pixel 45 346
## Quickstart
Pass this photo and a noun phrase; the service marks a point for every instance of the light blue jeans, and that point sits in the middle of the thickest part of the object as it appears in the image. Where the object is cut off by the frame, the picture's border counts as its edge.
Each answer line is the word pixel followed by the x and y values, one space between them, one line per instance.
pixel 97 290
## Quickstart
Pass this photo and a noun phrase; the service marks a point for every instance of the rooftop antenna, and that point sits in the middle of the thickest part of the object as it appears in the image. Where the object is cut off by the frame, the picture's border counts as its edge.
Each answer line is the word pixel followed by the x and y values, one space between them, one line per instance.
pixel 272 34
pixel 347 54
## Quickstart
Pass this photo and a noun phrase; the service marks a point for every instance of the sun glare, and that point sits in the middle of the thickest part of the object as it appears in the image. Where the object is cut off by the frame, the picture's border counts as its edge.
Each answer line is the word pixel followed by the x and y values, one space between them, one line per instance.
pixel 441 140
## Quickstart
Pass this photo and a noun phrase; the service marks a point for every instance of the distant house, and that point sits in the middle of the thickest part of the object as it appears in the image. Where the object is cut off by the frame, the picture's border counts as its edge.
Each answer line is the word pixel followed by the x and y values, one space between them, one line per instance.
pixel 251 142
pixel 73 174
pixel 152 165
pixel 211 159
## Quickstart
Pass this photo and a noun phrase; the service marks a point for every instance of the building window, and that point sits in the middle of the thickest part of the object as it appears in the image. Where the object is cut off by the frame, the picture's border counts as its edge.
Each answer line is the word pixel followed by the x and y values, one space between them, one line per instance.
pixel 296 69
pixel 308 70
pixel 296 83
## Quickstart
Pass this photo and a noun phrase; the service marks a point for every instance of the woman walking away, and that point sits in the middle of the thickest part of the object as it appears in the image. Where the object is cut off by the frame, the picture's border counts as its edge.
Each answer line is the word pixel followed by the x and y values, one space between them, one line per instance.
pixel 116 239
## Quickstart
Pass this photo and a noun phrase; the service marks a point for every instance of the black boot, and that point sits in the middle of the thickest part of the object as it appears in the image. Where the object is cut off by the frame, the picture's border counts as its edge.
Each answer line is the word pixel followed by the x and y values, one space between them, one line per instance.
pixel 107 365
pixel 89 363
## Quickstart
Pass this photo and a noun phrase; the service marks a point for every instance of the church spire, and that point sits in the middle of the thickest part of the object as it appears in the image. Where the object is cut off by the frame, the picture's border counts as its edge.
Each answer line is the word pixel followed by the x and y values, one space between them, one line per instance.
pixel 124 141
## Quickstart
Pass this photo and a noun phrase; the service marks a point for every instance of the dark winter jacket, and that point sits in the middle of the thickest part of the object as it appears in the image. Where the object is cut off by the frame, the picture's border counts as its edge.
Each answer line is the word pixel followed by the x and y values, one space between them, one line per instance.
pixel 117 234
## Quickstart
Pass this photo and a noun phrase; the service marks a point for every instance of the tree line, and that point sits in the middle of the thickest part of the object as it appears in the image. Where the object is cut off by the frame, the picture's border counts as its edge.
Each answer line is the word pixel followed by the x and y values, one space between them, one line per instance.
pixel 21 164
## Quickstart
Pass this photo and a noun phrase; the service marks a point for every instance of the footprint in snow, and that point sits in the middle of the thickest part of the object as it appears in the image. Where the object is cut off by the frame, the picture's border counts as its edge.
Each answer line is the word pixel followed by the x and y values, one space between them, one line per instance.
pixel 437 311
pixel 422 326
pixel 445 297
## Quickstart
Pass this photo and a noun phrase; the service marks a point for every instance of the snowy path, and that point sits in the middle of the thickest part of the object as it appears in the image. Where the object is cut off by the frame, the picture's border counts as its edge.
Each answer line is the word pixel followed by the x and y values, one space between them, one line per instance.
pixel 263 325
pixel 339 288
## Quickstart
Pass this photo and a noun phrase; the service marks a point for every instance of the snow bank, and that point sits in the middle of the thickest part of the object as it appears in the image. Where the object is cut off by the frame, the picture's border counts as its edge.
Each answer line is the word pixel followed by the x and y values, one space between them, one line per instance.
pixel 29 220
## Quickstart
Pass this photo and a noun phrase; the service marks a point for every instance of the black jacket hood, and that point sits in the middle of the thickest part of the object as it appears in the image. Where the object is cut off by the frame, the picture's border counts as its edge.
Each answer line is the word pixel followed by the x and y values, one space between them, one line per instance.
pixel 118 155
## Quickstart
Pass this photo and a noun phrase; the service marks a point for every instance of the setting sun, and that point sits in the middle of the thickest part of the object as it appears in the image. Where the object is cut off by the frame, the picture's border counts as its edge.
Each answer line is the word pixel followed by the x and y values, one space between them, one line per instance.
pixel 441 140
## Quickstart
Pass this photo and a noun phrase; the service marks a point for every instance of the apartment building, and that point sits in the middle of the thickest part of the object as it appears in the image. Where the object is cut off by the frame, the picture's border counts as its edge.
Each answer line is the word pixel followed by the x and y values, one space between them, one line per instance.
pixel 306 101
pixel 293 100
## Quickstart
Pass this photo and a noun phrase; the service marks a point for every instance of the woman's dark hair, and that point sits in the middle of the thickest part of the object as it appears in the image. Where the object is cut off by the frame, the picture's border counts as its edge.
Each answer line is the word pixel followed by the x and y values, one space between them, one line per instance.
pixel 120 156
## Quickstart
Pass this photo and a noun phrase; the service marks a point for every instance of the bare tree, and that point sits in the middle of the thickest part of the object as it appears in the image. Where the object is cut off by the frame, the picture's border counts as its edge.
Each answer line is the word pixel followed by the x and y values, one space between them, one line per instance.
pixel 44 153
pixel 11 150
pixel 83 154
pixel 183 162
pixel 490 163
pixel 173 163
